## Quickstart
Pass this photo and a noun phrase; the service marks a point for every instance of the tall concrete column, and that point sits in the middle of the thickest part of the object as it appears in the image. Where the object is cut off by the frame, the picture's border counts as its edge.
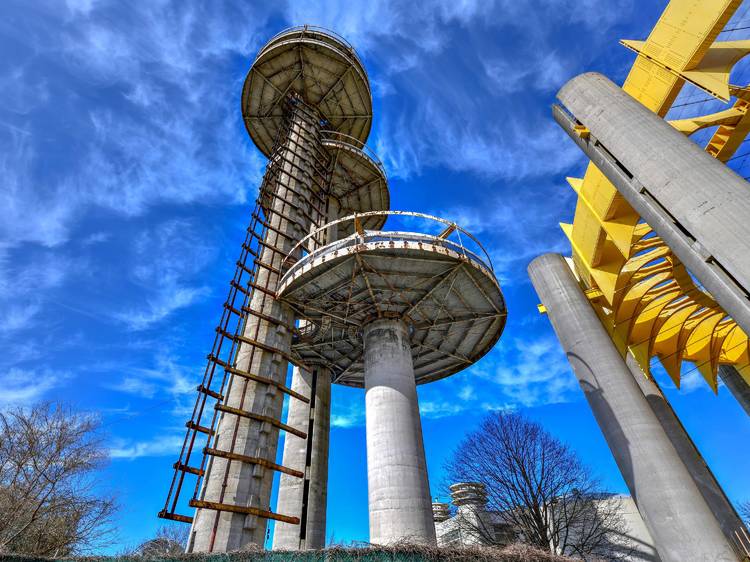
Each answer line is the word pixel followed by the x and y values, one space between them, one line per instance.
pixel 291 489
pixel 736 385
pixel 398 488
pixel 241 483
pixel 704 479
pixel 311 533
pixel 332 233
pixel 697 205
pixel 673 509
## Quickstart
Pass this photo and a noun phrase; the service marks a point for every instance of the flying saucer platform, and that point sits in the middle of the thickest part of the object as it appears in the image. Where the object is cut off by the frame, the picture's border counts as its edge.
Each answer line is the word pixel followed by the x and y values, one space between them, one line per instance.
pixel 358 182
pixel 320 67
pixel 448 296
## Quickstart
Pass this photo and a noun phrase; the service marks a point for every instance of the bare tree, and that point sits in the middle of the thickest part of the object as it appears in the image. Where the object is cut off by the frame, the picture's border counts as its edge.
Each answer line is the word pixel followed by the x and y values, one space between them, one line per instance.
pixel 170 540
pixel 538 487
pixel 48 503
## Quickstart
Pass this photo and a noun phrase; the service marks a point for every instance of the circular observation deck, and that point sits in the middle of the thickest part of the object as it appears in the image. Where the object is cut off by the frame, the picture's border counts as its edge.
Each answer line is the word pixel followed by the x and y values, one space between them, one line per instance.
pixel 446 293
pixel 358 181
pixel 319 66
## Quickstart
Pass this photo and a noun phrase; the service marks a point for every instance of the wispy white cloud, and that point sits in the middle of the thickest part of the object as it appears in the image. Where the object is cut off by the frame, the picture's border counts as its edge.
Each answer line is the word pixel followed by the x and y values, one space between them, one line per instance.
pixel 168 137
pixel 348 412
pixel 467 393
pixel 169 298
pixel 159 446
pixel 542 70
pixel 22 387
pixel 166 259
pixel 441 409
pixel 167 378
pixel 528 372
pixel 466 109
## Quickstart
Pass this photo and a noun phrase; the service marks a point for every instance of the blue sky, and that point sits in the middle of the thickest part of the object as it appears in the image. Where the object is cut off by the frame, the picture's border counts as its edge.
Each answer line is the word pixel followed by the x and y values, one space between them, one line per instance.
pixel 127 180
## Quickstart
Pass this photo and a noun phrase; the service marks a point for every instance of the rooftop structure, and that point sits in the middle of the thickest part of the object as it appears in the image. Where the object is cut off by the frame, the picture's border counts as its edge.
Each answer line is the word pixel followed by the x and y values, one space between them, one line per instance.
pixel 446 293
pixel 473 523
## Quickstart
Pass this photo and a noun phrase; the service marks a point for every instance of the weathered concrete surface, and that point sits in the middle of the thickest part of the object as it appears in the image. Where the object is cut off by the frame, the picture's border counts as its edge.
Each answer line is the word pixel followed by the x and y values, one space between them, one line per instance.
pixel 673 509
pixel 736 385
pixel 286 536
pixel 398 488
pixel 704 479
pixel 291 488
pixel 240 483
pixel 707 198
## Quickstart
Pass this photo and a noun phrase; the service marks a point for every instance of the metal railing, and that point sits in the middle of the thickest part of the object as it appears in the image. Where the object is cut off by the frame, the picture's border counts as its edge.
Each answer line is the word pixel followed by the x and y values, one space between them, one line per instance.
pixel 350 142
pixel 313 30
pixel 292 263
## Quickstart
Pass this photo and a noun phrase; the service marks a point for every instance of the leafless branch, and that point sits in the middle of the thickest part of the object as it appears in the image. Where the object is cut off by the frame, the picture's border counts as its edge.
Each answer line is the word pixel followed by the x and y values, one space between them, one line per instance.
pixel 537 486
pixel 48 503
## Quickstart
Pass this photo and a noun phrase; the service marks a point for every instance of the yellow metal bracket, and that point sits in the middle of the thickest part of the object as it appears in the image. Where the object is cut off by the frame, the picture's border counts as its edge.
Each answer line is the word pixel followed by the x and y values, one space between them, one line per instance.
pixel 711 73
pixel 582 131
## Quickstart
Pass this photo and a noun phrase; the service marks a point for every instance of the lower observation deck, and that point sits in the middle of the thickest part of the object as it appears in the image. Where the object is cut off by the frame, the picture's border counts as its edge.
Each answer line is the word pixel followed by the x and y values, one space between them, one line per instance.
pixel 446 293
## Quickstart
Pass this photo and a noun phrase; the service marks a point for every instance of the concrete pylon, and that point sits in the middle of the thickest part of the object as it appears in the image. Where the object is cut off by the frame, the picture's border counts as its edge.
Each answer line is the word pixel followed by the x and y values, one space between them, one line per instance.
pixel 697 205
pixel 704 479
pixel 310 534
pixel 673 508
pixel 246 484
pixel 736 385
pixel 398 488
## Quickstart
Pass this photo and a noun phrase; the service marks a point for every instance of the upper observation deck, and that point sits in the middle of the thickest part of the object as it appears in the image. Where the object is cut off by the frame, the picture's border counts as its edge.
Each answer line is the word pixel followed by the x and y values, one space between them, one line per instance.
pixel 320 67
pixel 446 292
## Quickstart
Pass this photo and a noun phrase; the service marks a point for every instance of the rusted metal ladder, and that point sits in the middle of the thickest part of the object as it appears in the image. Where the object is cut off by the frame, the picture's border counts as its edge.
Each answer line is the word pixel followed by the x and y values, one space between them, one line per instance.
pixel 221 368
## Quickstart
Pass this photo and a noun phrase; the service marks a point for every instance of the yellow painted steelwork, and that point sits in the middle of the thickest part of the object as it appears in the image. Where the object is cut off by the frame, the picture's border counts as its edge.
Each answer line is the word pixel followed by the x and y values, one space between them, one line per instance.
pixel 641 291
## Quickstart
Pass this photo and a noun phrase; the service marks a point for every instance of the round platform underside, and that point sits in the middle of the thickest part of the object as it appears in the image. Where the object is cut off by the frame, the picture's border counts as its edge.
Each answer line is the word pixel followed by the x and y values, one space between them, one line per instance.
pixel 317 33
pixel 453 304
pixel 360 185
pixel 318 70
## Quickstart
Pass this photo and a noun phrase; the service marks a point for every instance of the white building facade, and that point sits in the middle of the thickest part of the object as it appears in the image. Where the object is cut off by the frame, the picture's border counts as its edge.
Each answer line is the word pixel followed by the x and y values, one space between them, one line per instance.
pixel 471 524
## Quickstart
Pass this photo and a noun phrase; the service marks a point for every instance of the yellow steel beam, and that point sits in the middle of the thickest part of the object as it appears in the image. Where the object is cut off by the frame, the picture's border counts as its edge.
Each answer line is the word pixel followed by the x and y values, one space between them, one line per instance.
pixel 641 291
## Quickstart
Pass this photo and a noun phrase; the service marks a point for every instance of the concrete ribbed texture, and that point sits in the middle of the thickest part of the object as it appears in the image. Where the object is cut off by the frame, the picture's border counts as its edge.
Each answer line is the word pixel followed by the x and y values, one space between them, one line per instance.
pixel 736 385
pixel 691 457
pixel 673 509
pixel 398 488
pixel 239 483
pixel 286 536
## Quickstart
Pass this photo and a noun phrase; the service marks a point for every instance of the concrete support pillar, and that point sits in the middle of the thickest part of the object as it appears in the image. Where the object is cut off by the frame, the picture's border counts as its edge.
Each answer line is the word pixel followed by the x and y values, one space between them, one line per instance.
pixel 332 233
pixel 398 488
pixel 313 461
pixel 240 483
pixel 704 479
pixel 311 534
pixel 736 385
pixel 697 205
pixel 673 509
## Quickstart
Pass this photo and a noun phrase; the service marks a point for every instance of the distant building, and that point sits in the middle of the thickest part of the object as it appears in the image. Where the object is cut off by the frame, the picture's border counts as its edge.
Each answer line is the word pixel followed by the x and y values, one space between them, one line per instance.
pixel 471 523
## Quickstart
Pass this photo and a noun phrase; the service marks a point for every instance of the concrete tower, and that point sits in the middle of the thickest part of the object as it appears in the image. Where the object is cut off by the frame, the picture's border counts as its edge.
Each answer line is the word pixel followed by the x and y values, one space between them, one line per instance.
pixel 357 184
pixel 393 310
pixel 305 100
pixel 339 298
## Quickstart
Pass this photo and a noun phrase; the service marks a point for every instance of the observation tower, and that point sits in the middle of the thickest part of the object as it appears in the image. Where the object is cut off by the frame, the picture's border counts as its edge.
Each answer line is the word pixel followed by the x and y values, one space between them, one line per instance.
pixel 391 310
pixel 307 105
pixel 342 300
